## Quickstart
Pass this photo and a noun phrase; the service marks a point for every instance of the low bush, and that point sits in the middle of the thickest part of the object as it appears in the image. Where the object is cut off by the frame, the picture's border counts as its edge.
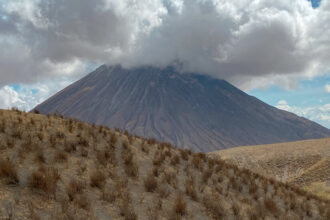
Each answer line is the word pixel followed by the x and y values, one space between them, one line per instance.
pixel 150 183
pixel 45 179
pixel 97 179
pixel 8 171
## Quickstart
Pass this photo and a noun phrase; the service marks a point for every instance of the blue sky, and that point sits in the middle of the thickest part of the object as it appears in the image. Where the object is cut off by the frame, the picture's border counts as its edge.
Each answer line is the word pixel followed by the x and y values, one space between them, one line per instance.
pixel 315 3
pixel 310 99
pixel 308 93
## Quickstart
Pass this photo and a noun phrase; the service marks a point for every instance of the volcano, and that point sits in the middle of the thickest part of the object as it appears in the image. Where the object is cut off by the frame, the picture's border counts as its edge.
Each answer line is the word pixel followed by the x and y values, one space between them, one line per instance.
pixel 189 110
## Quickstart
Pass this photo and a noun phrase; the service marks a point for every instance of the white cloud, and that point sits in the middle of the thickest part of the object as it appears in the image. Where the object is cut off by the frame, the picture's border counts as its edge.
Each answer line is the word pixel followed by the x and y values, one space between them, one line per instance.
pixel 9 98
pixel 250 43
pixel 319 114
pixel 26 97
pixel 327 88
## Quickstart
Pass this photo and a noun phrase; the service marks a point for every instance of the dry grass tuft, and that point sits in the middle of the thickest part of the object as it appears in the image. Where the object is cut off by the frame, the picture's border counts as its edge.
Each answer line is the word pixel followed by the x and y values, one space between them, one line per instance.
pixel 97 179
pixel 180 206
pixel 45 179
pixel 8 172
pixel 74 188
pixel 83 202
pixel 125 207
pixel 214 205
pixel 191 189
pixel 131 168
pixel 40 158
pixel 60 157
pixel 150 183
pixel 270 205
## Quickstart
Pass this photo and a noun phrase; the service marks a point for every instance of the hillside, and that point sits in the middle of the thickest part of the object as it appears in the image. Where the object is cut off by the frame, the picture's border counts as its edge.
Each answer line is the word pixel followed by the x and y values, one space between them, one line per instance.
pixel 56 168
pixel 304 163
pixel 188 110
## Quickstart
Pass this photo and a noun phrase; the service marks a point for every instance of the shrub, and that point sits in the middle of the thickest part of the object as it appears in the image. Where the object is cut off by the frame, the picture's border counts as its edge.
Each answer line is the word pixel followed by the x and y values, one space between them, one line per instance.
pixel 144 148
pixel 163 191
pixel 214 205
pixel 36 111
pixel 75 187
pixel 2 127
pixel 113 139
pixel 235 209
pixel 158 158
pixel 150 183
pixel 125 208
pixel 109 195
pixel 184 154
pixel 45 179
pixel 59 135
pixel 175 160
pixel 270 205
pixel 131 168
pixel 69 147
pixel 40 135
pixel 102 157
pixel 40 158
pixel 180 206
pixel 206 175
pixel 8 171
pixel 17 133
pixel 197 162
pixel 84 152
pixel 327 214
pixel 83 142
pixel 60 156
pixel 191 190
pixel 97 179
pixel 155 171
pixel 151 141
pixel 253 188
pixel 83 202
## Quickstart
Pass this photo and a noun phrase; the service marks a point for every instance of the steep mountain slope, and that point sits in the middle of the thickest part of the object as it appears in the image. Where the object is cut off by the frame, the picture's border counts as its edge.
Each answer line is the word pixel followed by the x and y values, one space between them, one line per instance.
pixel 55 168
pixel 188 110
pixel 304 163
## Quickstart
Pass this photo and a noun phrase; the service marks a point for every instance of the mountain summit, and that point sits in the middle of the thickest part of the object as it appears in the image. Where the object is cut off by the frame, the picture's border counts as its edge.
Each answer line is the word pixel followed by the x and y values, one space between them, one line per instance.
pixel 186 109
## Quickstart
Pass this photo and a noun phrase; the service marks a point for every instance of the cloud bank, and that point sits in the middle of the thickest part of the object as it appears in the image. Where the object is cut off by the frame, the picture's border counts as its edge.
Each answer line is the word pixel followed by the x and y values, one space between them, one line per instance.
pixel 320 114
pixel 251 43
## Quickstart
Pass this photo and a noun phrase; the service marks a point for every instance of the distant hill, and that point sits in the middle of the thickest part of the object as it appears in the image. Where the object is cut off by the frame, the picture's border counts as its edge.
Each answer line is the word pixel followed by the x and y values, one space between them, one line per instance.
pixel 55 168
pixel 304 163
pixel 186 109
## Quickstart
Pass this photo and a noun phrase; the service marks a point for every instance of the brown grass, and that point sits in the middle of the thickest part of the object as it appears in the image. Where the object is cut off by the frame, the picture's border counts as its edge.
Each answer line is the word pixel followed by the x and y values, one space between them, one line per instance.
pixel 131 168
pixel 182 184
pixel 191 189
pixel 74 188
pixel 97 179
pixel 150 183
pixel 8 172
pixel 180 206
pixel 40 158
pixel 60 157
pixel 83 202
pixel 214 205
pixel 45 179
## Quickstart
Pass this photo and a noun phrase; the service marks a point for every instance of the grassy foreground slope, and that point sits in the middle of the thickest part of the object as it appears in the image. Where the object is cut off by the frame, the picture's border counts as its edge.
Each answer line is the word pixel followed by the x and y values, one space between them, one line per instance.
pixel 55 168
pixel 303 163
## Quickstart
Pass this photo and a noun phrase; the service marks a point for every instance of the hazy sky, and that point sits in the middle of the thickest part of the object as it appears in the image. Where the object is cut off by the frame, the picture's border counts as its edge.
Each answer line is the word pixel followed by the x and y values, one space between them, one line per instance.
pixel 277 50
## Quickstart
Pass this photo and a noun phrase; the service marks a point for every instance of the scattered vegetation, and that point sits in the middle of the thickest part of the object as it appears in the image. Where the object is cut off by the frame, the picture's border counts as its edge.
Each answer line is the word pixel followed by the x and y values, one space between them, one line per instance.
pixel 66 169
